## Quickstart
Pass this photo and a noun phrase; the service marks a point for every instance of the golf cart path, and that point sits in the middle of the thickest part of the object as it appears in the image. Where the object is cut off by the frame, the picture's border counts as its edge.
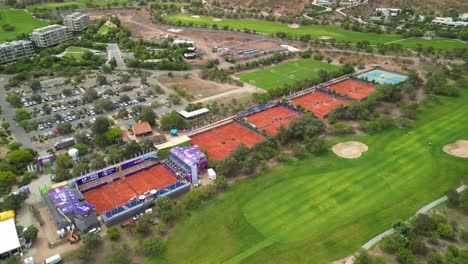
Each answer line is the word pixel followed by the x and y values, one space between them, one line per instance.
pixel 423 210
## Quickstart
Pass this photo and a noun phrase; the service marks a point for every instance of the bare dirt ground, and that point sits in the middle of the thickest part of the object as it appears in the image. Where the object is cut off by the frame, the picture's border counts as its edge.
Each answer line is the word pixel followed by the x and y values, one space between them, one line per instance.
pixel 261 45
pixel 278 6
pixel 349 149
pixel 196 86
pixel 458 149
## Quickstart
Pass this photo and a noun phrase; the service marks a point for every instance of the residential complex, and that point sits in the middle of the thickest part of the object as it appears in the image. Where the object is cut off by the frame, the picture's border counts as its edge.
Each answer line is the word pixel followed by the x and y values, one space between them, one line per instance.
pixel 10 51
pixel 51 35
pixel 449 22
pixel 77 21
pixel 388 11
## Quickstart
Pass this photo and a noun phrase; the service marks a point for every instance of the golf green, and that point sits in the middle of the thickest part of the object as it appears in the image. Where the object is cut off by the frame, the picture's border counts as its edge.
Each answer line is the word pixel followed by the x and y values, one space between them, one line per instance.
pixel 287 73
pixel 323 208
pixel 20 20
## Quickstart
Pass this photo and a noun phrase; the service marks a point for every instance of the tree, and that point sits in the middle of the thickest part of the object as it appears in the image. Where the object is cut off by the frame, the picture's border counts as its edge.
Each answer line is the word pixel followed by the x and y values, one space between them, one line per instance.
pixel 82 148
pixel 227 166
pixel 221 182
pixel 91 240
pixel 11 259
pixel 113 134
pixel 363 257
pixel 453 198
pixel 65 128
pixel 103 105
pixel 463 200
pixel 90 95
pixel 173 120
pixel 153 246
pixel 174 99
pixel 121 256
pixel 12 202
pixel 5 125
pixel 14 100
pixel 64 161
pixel 22 114
pixel 147 115
pixel 20 157
pixel 445 231
pixel 113 233
pixel 31 233
pixel 14 145
pixel 435 258
pixel 424 224
pixel 405 255
pixel 35 85
pixel 315 144
pixel 142 226
pixel 101 79
pixel 193 199
pixel 101 125
pixel 7 179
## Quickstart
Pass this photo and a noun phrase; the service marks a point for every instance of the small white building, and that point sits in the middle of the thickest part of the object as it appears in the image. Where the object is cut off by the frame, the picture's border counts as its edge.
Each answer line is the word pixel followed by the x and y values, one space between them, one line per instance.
pixel 448 21
pixel 9 244
pixel 463 16
pixel 388 11
pixel 194 114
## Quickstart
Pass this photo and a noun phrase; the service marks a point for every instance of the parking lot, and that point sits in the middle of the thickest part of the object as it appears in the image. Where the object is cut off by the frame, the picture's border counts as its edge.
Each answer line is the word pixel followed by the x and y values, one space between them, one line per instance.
pixel 59 102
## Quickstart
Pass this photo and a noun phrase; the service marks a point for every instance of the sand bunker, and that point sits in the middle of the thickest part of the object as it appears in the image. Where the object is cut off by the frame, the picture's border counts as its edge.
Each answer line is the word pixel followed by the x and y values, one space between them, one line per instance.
pixel 217 19
pixel 196 16
pixel 325 37
pixel 349 149
pixel 294 26
pixel 458 149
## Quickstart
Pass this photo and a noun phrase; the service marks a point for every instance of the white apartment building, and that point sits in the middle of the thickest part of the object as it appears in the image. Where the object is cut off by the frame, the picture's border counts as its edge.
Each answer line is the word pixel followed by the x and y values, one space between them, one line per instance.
pixel 51 35
pixel 388 11
pixel 77 21
pixel 10 51
pixel 448 21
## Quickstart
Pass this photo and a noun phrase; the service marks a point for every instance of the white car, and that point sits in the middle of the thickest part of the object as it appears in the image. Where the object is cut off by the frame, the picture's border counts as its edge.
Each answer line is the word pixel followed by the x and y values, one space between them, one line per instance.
pixel 95 230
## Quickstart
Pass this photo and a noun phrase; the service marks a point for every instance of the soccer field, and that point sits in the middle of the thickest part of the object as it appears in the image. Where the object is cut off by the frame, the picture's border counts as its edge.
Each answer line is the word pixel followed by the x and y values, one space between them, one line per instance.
pixel 323 208
pixel 287 73
pixel 20 20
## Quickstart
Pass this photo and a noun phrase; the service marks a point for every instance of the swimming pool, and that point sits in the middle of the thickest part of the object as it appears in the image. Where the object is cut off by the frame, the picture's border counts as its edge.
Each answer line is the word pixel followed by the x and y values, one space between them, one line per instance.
pixel 382 77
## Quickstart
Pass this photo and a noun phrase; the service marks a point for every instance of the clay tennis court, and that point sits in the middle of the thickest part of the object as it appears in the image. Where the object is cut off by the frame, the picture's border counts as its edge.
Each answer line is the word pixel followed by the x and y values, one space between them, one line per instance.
pixel 220 141
pixel 272 118
pixel 320 104
pixel 356 90
pixel 154 178
pixel 119 192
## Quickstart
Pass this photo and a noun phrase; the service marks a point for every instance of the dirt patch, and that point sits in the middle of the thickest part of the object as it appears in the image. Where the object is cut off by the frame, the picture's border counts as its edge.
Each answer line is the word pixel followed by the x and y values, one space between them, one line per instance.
pixel 325 37
pixel 349 149
pixel 294 25
pixel 197 87
pixel 217 19
pixel 458 149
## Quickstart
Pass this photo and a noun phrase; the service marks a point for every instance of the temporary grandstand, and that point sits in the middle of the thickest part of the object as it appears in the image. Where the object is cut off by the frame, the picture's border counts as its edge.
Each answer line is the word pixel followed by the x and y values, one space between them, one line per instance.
pixel 353 89
pixel 320 103
pixel 270 119
pixel 119 191
pixel 187 162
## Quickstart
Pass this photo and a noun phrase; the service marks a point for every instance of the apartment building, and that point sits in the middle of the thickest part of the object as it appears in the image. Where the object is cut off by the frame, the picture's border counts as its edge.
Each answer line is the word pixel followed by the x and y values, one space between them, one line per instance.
pixel 51 35
pixel 10 51
pixel 77 21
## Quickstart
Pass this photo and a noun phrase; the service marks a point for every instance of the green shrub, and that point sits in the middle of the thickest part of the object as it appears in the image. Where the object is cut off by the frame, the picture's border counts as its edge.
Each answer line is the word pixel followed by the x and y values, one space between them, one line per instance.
pixel 113 233
pixel 445 231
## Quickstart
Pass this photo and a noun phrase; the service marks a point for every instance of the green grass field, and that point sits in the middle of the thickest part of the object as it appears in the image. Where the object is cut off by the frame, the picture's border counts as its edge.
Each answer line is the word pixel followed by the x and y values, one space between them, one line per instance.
pixel 273 27
pixel 323 208
pixel 80 4
pixel 437 44
pixel 315 31
pixel 291 72
pixel 22 21
pixel 103 30
pixel 75 52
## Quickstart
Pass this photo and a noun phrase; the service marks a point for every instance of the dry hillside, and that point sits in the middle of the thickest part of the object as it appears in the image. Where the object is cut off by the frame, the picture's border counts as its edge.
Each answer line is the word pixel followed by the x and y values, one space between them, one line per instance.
pixel 422 6
pixel 276 6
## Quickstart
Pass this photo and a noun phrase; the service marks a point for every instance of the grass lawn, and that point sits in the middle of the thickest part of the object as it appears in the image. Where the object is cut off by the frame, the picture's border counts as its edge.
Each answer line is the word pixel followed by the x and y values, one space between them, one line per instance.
pixel 315 31
pixel 80 4
pixel 273 27
pixel 103 30
pixel 75 52
pixel 22 21
pixel 323 208
pixel 291 72
pixel 437 44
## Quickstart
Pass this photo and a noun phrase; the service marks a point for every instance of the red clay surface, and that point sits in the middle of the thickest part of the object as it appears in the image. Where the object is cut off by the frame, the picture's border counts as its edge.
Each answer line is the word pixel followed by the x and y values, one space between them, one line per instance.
pixel 119 192
pixel 220 141
pixel 320 104
pixel 271 119
pixel 155 178
pixel 353 89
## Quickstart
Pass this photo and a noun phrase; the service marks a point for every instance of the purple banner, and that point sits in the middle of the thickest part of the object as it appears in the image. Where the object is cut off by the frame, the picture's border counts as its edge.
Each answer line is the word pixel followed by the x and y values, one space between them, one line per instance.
pixel 64 199
pixel 84 208
pixel 131 163
pixel 41 160
pixel 96 175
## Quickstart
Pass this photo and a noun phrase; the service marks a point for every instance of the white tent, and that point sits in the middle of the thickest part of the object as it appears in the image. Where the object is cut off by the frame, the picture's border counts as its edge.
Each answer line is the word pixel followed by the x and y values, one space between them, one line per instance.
pixel 10 240
pixel 211 174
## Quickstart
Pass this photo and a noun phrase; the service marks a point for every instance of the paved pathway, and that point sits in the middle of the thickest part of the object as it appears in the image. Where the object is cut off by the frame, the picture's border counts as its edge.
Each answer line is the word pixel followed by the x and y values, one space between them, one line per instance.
pixel 423 210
